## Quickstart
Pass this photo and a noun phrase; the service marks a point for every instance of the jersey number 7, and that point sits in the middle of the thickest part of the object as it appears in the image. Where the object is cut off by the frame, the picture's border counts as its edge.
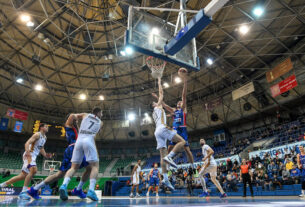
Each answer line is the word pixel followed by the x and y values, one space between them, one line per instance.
pixel 92 123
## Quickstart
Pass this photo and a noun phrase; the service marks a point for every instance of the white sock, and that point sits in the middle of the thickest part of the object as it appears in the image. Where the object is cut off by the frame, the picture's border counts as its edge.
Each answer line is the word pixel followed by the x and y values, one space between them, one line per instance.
pixel 171 154
pixel 80 185
pixel 303 192
pixel 92 184
pixel 165 176
pixel 24 189
pixel 3 185
pixel 202 181
pixel 40 185
pixel 66 181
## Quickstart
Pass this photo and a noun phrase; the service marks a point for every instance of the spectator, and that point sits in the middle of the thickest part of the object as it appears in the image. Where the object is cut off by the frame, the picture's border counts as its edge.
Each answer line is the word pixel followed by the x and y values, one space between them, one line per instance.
pixel 280 156
pixel 267 182
pixel 289 164
pixel 197 184
pixel 295 174
pixel 189 182
pixel 7 174
pixel 3 172
pixel 118 171
pixel 276 182
pixel 231 182
pixel 286 177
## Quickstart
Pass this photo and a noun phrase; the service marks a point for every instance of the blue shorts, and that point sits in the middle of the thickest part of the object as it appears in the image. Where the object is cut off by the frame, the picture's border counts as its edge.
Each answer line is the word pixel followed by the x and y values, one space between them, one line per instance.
pixel 182 131
pixel 154 181
pixel 66 162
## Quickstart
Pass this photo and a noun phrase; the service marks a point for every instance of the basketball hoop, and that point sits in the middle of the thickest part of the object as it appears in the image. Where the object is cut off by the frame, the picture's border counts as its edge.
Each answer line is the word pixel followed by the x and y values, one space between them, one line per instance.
pixel 52 170
pixel 156 66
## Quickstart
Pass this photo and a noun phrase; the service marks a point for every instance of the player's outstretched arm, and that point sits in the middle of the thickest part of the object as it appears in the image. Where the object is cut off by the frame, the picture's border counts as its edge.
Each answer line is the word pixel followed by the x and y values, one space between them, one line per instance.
pixel 72 117
pixel 167 107
pixel 184 91
pixel 160 92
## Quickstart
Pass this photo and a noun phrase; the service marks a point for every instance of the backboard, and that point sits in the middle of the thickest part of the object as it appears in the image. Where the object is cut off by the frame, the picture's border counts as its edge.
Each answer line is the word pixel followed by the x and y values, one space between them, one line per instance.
pixel 149 34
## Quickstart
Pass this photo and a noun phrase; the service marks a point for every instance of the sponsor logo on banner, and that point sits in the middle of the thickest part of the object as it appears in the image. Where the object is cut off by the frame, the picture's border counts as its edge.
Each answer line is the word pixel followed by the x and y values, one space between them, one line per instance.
pixel 4 123
pixel 10 191
pixel 242 91
pixel 14 113
pixel 209 106
pixel 279 70
pixel 218 161
pixel 18 126
pixel 283 86
pixel 272 151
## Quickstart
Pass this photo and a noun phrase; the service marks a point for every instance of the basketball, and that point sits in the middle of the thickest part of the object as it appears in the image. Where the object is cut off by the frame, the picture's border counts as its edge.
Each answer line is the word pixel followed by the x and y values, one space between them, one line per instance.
pixel 182 72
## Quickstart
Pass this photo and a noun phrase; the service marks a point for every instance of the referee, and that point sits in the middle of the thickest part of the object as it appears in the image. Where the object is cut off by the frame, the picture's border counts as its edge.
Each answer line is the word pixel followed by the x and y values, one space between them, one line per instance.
pixel 245 176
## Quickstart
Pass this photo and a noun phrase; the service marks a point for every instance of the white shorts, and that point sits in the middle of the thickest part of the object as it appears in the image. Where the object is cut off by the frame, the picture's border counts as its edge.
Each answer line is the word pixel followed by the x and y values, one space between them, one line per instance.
pixel 84 147
pixel 163 134
pixel 135 180
pixel 28 163
pixel 211 169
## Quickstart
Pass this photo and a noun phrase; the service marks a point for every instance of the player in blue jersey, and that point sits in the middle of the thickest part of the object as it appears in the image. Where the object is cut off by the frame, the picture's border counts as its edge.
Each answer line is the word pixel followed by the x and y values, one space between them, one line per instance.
pixel 71 128
pixel 154 177
pixel 301 165
pixel 179 120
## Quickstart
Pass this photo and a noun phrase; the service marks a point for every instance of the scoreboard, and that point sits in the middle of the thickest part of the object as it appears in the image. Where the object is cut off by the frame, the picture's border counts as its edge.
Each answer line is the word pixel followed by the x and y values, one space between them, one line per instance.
pixel 54 129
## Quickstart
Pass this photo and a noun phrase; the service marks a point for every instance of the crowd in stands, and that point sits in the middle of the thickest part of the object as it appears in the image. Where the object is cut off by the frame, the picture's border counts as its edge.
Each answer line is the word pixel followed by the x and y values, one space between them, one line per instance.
pixel 268 172
pixel 5 173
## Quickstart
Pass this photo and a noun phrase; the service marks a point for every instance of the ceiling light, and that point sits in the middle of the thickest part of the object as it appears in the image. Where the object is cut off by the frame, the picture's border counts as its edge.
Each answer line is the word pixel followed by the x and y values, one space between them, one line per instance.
pixel 131 117
pixel 123 53
pixel 19 80
pixel 102 98
pixel 244 29
pixel 209 61
pixel 155 31
pixel 166 85
pixel 128 50
pixel 38 87
pixel 258 11
pixel 178 80
pixel 30 24
pixel 25 18
pixel 82 96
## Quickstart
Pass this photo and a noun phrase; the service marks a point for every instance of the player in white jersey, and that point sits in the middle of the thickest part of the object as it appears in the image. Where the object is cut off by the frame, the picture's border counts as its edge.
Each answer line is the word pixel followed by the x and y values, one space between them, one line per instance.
pixel 164 133
pixel 85 146
pixel 135 179
pixel 33 147
pixel 209 166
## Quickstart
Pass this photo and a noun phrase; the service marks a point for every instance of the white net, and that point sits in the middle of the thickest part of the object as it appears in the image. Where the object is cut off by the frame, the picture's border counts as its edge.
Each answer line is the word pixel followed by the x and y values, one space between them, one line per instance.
pixel 156 66
pixel 51 166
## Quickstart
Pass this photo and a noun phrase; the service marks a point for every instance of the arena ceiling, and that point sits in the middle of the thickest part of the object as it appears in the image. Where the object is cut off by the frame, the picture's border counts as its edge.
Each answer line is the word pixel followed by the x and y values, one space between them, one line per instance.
pixel 78 45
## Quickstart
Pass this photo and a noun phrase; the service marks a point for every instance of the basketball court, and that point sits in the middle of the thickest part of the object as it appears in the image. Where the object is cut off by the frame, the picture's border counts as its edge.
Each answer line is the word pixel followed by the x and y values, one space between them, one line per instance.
pixel 161 201
pixel 158 42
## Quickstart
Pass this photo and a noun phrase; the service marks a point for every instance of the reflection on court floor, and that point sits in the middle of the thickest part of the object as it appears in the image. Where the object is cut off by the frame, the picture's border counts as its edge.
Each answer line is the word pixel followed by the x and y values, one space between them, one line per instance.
pixel 161 201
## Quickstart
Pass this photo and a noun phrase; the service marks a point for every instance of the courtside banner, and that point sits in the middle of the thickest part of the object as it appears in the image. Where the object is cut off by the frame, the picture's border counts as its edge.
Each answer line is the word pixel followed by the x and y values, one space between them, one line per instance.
pixel 242 91
pixel 219 162
pixel 10 191
pixel 272 151
pixel 17 114
pixel 283 86
pixel 279 70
